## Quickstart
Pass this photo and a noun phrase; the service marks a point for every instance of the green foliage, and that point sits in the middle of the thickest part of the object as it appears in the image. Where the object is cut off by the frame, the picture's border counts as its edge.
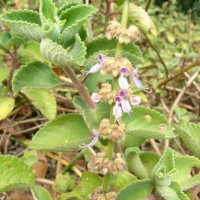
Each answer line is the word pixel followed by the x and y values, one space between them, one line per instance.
pixel 65 133
pixel 122 179
pixel 87 184
pixel 30 157
pixel 6 106
pixel 190 134
pixel 64 183
pixel 138 189
pixel 78 51
pixel 25 22
pixel 40 193
pixel 32 75
pixel 43 99
pixel 147 123
pixel 77 14
pixel 92 117
pixel 4 72
pixel 14 174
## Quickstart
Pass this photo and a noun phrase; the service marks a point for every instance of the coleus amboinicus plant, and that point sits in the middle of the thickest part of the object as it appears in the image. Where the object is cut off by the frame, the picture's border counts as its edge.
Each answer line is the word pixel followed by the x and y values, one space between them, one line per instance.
pixel 60 33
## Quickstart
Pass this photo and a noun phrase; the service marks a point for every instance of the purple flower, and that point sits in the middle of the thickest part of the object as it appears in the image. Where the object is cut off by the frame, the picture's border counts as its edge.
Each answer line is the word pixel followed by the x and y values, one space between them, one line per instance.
pixel 94 140
pixel 123 82
pixel 138 82
pixel 97 66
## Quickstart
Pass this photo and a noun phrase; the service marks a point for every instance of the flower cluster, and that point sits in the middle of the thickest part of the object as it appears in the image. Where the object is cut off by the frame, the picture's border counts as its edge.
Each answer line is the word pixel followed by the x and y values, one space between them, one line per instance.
pixel 101 164
pixel 124 97
pixel 113 132
pixel 115 31
pixel 99 194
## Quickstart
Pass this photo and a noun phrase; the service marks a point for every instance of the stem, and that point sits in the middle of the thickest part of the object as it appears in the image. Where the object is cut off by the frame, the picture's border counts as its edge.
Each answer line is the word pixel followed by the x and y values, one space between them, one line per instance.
pixel 148 5
pixel 118 54
pixel 177 73
pixel 80 87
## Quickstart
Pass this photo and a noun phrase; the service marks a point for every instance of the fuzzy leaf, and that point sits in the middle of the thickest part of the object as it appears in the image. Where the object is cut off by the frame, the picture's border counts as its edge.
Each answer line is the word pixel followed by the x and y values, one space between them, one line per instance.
pixel 190 134
pixel 92 117
pixel 25 22
pixel 14 174
pixel 87 184
pixel 65 133
pixel 77 14
pixel 122 179
pixel 184 172
pixel 78 51
pixel 138 189
pixel 67 37
pixel 103 43
pixel 43 99
pixel 164 171
pixel 34 74
pixel 40 193
pixel 147 123
pixel 191 182
pixel 139 17
pixel 48 11
pixel 55 53
pixel 4 72
pixel 6 106
pixel 176 187
pixel 167 193
pixel 141 163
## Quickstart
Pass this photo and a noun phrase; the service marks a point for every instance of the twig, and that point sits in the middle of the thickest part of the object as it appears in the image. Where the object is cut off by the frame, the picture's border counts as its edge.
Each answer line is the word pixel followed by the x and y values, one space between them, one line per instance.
pixel 189 82
pixel 58 166
pixel 181 71
pixel 155 147
pixel 194 83
pixel 148 5
pixel 64 162
pixel 158 54
pixel 45 181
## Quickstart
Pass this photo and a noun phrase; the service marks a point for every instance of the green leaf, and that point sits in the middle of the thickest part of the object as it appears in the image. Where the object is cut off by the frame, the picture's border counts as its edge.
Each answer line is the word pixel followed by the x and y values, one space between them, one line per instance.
pixel 132 141
pixel 43 99
pixel 67 37
pixel 87 184
pixel 94 79
pixel 34 74
pixel 77 14
pixel 30 157
pixel 32 49
pixel 122 179
pixel 67 4
pixel 184 172
pixel 138 189
pixel 191 182
pixel 103 43
pixel 65 133
pixel 4 72
pixel 92 117
pixel 167 193
pixel 139 17
pixel 48 11
pixel 147 123
pixel 25 22
pixel 78 51
pixel 190 134
pixel 141 163
pixel 14 174
pixel 40 193
pixel 55 53
pixel 6 106
pixel 164 171
pixel 176 187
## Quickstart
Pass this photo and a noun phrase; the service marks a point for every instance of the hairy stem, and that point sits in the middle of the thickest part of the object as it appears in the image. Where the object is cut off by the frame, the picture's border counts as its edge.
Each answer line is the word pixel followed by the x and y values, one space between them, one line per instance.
pixel 118 54
pixel 80 87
